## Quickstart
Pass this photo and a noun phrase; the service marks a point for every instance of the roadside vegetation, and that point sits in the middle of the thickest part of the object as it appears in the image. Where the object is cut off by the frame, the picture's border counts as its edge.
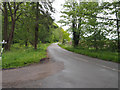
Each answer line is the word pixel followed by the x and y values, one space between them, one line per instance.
pixel 101 54
pixel 21 56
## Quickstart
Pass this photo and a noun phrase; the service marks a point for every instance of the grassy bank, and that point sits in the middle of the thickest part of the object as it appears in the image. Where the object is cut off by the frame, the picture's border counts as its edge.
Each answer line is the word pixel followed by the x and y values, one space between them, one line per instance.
pixel 101 54
pixel 21 56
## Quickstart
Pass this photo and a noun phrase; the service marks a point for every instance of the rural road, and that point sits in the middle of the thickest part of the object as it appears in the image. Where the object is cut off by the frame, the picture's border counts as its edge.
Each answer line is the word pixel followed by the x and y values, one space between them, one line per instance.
pixel 65 70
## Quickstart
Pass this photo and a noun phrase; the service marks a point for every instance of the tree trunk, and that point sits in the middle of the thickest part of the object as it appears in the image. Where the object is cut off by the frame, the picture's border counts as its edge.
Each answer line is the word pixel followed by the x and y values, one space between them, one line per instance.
pixel 95 39
pixel 36 26
pixel 75 35
pixel 5 36
pixel 26 43
pixel 76 39
pixel 95 44
pixel 79 29
pixel 75 29
pixel 13 18
pixel 118 32
pixel 11 34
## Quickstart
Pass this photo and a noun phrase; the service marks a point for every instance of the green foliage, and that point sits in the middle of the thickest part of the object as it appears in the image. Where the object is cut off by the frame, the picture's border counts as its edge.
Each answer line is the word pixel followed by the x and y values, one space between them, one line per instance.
pixel 65 36
pixel 22 56
pixel 105 55
pixel 25 29
pixel 87 25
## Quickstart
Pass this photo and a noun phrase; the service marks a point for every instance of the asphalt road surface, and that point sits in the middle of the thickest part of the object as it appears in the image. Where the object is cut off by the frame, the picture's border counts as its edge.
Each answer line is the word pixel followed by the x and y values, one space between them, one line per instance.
pixel 65 70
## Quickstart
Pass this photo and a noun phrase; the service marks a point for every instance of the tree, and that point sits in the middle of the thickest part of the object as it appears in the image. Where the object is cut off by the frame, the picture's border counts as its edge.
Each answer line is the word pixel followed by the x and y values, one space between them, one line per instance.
pixel 14 18
pixel 37 25
pixel 91 8
pixel 108 9
pixel 72 17
pixel 29 17
pixel 86 23
pixel 5 12
pixel 112 9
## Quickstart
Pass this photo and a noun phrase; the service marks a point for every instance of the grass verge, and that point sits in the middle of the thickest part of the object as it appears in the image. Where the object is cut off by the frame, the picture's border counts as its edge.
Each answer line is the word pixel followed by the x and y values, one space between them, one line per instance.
pixel 22 56
pixel 104 55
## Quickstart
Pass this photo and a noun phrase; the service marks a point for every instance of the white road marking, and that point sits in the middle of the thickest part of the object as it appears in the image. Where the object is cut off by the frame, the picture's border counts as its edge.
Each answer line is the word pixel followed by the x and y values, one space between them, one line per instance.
pixel 108 67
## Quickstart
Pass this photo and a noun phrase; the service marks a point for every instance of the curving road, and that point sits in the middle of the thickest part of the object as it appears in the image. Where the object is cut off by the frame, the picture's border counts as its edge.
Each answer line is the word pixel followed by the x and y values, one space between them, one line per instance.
pixel 73 71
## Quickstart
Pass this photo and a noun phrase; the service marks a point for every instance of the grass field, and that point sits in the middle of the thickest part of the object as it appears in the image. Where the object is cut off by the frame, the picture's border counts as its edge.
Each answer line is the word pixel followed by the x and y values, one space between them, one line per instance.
pixel 22 56
pixel 101 54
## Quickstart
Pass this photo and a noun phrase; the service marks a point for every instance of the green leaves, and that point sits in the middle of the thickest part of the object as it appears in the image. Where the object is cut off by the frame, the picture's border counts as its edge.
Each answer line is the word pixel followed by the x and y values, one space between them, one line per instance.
pixel 26 22
pixel 90 20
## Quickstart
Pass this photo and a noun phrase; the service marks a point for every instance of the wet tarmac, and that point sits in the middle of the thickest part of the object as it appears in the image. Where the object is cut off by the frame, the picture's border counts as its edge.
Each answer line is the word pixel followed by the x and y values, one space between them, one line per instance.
pixel 65 70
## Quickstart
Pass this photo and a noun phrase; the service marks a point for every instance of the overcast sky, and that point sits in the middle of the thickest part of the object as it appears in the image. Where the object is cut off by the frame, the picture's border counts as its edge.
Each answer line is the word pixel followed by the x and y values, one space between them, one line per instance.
pixel 57 4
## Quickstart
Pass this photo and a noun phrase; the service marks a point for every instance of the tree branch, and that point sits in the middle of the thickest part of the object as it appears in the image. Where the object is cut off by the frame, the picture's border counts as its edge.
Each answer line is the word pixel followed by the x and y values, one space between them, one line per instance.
pixel 101 17
pixel 10 11
pixel 18 16
pixel 17 7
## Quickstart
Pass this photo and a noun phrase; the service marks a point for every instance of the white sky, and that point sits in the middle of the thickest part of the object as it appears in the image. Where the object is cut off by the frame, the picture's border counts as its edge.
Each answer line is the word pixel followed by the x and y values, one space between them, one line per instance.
pixel 57 4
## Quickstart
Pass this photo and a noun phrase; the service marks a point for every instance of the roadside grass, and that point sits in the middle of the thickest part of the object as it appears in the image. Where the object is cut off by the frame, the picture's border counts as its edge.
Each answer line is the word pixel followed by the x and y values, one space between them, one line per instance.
pixel 101 54
pixel 21 56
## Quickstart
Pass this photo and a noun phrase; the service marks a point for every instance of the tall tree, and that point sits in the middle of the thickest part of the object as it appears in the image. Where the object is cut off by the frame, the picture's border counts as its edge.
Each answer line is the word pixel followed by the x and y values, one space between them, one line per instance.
pixel 114 9
pixel 36 25
pixel 70 13
pixel 5 32
pixel 14 17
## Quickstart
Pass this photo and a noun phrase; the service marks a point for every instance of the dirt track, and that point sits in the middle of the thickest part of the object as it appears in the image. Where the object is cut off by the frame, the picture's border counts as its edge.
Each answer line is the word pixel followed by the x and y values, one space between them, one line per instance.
pixel 13 77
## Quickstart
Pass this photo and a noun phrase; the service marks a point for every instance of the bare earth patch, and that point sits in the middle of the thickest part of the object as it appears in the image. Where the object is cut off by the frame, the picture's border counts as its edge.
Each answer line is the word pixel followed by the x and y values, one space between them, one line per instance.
pixel 33 72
